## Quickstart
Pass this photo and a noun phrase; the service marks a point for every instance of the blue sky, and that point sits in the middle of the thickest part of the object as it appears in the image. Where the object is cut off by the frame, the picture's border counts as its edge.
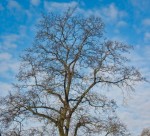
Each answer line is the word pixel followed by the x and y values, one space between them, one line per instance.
pixel 127 21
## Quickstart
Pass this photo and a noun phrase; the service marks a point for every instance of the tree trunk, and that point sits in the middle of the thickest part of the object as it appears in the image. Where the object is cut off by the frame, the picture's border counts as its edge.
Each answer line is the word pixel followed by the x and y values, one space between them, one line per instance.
pixel 61 131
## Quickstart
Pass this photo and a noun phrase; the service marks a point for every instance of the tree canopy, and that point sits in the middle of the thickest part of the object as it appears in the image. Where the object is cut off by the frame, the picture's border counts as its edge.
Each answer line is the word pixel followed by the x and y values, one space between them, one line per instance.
pixel 59 78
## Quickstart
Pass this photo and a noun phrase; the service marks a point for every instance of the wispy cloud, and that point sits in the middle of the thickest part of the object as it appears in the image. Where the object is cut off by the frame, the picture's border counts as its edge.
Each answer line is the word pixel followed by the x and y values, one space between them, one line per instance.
pixel 112 12
pixel 35 2
pixel 8 65
pixel 12 4
pixel 108 13
pixel 9 68
pixel 121 23
pixel 52 6
pixel 8 41
pixel 146 22
pixel 147 36
pixel 141 4
pixel 136 113
pixel 5 87
pixel 8 62
pixel 5 56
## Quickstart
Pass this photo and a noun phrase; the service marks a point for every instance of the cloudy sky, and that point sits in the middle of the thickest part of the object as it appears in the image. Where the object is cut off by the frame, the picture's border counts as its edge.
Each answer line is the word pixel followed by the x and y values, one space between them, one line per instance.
pixel 127 21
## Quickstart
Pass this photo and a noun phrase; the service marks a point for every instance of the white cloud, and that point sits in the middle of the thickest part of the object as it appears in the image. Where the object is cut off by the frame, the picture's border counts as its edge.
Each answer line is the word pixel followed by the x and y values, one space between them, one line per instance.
pixel 8 70
pixel 108 13
pixel 5 56
pixel 8 65
pixel 35 2
pixel 4 88
pixel 147 36
pixel 52 6
pixel 121 24
pixel 141 4
pixel 12 4
pixel 8 41
pixel 136 113
pixel 112 12
pixel 146 22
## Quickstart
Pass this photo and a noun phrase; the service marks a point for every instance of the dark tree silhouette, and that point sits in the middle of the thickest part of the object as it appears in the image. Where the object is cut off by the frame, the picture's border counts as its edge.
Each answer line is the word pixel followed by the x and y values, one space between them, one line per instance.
pixel 58 81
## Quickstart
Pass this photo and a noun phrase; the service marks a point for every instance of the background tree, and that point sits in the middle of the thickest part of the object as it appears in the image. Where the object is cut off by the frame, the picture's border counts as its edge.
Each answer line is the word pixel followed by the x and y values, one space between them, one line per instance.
pixel 145 132
pixel 60 78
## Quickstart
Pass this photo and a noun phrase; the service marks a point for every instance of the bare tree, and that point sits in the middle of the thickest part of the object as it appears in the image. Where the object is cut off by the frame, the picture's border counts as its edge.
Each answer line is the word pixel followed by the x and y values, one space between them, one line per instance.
pixel 60 78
